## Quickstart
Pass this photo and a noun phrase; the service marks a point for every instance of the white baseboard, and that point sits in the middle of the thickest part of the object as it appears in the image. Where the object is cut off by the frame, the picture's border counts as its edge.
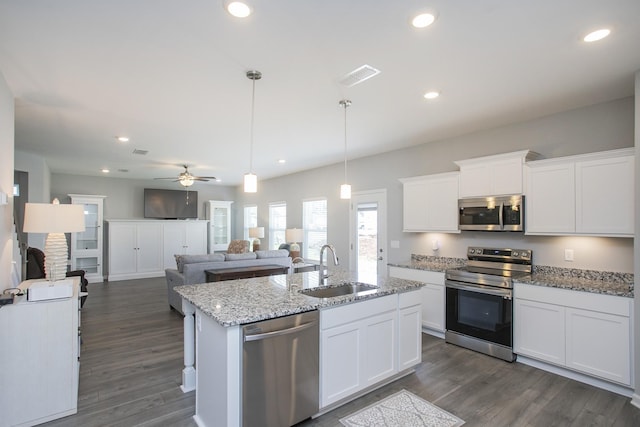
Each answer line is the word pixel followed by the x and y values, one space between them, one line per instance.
pixel 635 400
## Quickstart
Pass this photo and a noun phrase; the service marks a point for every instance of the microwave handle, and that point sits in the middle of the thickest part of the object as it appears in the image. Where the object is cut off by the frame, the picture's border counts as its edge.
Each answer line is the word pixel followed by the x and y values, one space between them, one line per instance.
pixel 501 216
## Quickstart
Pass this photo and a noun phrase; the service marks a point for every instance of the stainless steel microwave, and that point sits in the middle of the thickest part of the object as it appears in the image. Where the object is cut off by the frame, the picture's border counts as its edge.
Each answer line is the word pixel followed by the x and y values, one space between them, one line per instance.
pixel 503 213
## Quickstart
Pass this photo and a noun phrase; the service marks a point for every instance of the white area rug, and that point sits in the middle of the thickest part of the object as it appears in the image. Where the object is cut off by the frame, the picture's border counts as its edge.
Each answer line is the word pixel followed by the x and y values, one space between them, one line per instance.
pixel 402 409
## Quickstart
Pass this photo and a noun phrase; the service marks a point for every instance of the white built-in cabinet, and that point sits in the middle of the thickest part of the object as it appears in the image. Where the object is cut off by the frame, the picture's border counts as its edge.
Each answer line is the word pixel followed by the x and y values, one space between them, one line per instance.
pixel 218 213
pixel 430 203
pixel 364 343
pixel 581 331
pixel 183 238
pixel 590 194
pixel 432 297
pixel 40 358
pixel 495 175
pixel 144 248
pixel 87 245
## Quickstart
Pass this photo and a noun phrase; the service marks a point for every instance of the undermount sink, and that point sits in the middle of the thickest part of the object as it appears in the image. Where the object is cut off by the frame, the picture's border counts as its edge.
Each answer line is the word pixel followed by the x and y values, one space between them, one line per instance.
pixel 340 290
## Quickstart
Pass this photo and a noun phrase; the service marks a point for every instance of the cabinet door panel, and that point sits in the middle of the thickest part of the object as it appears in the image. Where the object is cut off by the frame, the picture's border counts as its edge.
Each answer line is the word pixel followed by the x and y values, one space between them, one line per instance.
pixel 415 205
pixel 539 331
pixel 605 196
pixel 599 344
pixel 174 243
pixel 149 243
pixel 433 307
pixel 409 337
pixel 379 352
pixel 196 238
pixel 550 203
pixel 122 248
pixel 340 362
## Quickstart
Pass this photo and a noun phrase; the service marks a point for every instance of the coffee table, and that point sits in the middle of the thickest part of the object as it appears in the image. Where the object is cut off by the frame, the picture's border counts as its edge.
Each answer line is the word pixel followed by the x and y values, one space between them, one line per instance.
pixel 244 272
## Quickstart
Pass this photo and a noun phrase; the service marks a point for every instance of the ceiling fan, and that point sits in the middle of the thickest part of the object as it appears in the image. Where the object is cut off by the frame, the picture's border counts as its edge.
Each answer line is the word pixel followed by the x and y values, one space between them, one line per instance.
pixel 186 179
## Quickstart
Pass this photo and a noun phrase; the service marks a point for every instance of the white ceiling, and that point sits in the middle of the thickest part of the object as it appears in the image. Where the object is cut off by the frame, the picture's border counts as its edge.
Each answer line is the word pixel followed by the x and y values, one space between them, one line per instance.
pixel 171 76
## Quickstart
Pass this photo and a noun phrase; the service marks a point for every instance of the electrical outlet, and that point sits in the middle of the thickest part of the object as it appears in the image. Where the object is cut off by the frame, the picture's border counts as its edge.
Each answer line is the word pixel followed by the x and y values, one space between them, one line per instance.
pixel 568 254
pixel 395 244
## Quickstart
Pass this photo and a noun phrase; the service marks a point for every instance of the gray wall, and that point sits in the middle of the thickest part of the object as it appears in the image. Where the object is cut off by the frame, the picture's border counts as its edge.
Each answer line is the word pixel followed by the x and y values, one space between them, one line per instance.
pixel 125 196
pixel 7 244
pixel 599 127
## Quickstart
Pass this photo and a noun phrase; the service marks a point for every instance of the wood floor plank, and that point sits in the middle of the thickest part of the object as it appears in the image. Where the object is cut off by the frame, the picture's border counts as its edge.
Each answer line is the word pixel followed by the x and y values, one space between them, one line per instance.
pixel 131 364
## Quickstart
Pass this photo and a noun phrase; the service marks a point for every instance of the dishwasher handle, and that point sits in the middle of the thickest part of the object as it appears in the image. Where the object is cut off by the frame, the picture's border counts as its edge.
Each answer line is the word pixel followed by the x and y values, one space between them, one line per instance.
pixel 265 335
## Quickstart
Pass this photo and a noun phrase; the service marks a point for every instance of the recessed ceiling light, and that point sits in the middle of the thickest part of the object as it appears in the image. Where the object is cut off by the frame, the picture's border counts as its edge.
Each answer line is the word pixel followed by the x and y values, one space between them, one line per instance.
pixel 597 35
pixel 218 180
pixel 423 20
pixel 238 9
pixel 432 95
pixel 105 170
pixel 282 161
pixel 122 138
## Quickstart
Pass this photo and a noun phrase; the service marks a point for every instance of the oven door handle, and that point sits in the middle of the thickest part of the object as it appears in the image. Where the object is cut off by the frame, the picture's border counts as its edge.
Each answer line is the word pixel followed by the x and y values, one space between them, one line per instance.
pixel 504 293
pixel 501 214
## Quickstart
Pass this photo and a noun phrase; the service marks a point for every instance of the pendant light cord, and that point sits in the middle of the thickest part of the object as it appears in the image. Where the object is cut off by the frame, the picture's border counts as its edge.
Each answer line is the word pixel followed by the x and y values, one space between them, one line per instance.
pixel 346 104
pixel 253 107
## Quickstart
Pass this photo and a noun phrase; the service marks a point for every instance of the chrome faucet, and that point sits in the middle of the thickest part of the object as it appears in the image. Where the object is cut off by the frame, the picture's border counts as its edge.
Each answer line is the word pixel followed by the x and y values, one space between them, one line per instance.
pixel 324 275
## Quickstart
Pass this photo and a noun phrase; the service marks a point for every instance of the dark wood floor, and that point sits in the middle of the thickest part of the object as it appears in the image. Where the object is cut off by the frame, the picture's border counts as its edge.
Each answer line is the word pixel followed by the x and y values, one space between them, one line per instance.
pixel 131 366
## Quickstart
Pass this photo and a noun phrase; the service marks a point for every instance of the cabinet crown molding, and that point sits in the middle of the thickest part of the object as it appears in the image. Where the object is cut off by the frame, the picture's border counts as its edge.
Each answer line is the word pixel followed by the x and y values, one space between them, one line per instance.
pixel 524 155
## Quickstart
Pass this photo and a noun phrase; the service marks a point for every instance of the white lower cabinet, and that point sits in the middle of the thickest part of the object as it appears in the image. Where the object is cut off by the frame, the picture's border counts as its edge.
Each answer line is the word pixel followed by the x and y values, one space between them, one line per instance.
pixel 361 344
pixel 585 332
pixel 432 296
pixel 183 238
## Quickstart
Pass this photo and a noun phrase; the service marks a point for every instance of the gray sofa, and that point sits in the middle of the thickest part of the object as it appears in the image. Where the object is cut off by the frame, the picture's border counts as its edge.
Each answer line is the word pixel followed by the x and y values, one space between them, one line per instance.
pixel 191 268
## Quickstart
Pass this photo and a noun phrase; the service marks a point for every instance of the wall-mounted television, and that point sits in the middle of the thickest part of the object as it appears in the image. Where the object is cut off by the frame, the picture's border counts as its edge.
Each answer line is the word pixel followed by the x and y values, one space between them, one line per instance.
pixel 170 204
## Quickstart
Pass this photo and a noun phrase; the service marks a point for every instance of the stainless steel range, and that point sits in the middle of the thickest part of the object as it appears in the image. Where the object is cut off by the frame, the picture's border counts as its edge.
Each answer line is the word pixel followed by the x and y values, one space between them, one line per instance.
pixel 479 300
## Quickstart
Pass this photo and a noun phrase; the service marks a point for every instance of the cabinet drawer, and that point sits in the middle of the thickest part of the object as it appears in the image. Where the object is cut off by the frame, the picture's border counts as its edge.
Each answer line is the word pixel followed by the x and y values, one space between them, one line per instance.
pixel 343 314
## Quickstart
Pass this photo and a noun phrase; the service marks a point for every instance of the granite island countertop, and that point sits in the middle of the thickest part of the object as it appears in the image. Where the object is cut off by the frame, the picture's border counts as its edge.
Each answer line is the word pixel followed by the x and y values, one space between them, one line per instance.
pixel 600 282
pixel 242 301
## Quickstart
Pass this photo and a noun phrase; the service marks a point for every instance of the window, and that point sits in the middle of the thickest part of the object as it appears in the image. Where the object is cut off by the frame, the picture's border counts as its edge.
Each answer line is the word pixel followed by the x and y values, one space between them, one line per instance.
pixel 314 223
pixel 277 224
pixel 250 219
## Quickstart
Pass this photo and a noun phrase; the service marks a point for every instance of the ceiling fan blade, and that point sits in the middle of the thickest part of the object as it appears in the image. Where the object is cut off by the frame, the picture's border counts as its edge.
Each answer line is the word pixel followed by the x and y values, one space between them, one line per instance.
pixel 173 177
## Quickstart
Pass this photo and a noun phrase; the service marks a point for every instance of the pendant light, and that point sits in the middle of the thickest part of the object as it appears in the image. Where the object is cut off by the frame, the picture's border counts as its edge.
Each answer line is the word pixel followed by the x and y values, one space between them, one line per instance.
pixel 250 179
pixel 345 189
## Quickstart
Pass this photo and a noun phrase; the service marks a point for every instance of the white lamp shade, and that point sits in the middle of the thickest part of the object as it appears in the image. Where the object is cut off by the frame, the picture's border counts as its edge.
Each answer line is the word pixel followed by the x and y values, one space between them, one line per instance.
pixel 53 218
pixel 345 191
pixel 256 232
pixel 294 235
pixel 250 183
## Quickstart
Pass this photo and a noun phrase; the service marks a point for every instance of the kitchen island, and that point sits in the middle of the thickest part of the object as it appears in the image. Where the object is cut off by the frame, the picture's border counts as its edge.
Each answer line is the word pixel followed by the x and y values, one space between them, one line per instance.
pixel 376 336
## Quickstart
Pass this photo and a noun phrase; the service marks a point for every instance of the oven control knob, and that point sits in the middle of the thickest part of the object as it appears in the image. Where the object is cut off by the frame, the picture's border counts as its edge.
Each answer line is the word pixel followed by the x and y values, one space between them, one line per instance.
pixel 516 253
pixel 524 255
pixel 473 251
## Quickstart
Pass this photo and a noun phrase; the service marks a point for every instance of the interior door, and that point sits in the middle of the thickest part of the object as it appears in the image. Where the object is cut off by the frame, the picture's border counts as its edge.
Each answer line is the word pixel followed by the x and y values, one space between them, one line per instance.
pixel 368 234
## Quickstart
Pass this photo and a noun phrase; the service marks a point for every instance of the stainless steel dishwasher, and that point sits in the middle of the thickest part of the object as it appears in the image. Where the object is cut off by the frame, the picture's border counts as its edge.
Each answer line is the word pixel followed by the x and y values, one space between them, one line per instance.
pixel 280 370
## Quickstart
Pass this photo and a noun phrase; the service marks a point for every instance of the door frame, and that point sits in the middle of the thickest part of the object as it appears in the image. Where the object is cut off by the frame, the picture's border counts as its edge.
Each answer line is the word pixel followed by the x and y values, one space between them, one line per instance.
pixel 380 196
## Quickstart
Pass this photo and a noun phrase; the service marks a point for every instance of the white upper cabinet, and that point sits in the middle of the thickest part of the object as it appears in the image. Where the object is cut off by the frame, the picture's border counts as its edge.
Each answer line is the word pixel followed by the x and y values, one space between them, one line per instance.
pixel 497 175
pixel 430 203
pixel 591 194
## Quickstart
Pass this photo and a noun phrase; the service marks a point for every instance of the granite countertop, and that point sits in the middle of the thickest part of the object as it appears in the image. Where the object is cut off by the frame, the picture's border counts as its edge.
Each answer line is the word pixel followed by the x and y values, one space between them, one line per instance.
pixel 431 263
pixel 600 282
pixel 237 302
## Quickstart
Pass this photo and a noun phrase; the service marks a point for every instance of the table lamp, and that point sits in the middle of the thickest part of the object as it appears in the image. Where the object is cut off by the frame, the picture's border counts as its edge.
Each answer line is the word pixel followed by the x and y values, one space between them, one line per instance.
pixel 55 220
pixel 294 236
pixel 256 233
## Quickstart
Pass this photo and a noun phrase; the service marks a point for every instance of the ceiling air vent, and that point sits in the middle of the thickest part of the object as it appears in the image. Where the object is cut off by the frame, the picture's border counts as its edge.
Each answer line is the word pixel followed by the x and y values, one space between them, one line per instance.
pixel 123 170
pixel 140 152
pixel 359 75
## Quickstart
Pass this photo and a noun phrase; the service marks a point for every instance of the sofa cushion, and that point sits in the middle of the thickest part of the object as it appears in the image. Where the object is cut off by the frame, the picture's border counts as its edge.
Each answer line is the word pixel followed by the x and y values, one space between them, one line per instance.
pixel 275 253
pixel 181 260
pixel 238 257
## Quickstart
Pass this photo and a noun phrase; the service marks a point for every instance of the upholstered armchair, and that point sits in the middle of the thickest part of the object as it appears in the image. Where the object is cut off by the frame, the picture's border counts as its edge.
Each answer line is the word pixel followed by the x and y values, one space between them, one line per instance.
pixel 35 270
pixel 238 247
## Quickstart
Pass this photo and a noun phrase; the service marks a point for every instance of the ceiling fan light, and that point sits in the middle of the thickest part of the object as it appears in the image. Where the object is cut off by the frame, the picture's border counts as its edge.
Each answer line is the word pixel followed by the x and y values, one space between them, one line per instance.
pixel 186 181
pixel 345 191
pixel 250 183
